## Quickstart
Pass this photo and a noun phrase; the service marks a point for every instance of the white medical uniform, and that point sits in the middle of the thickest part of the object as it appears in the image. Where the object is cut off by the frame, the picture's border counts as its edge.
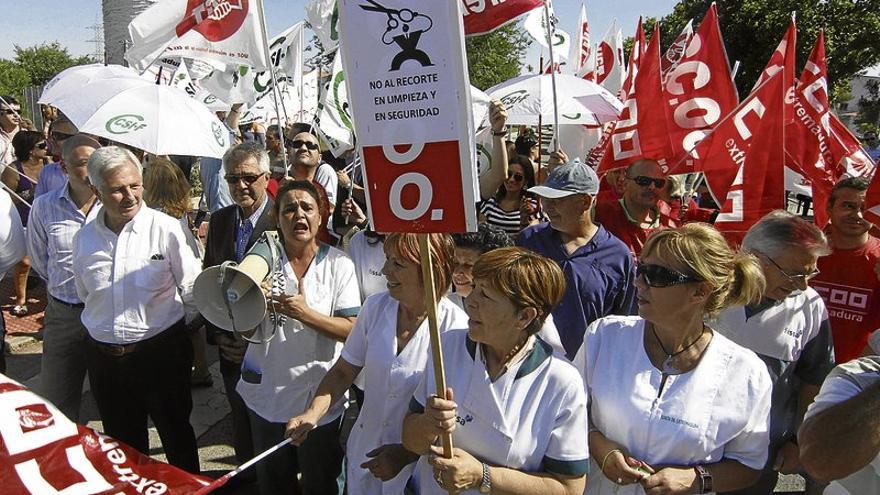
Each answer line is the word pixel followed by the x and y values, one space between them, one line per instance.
pixel 719 410
pixel 280 377
pixel 532 418
pixel 390 380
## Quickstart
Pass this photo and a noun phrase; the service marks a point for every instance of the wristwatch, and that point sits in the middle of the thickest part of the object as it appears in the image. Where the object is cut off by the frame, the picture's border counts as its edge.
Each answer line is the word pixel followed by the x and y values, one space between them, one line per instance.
pixel 705 479
pixel 486 485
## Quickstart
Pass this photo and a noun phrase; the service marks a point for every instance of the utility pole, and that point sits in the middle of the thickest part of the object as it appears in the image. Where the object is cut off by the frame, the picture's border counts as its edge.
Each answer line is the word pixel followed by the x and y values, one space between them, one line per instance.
pixel 97 40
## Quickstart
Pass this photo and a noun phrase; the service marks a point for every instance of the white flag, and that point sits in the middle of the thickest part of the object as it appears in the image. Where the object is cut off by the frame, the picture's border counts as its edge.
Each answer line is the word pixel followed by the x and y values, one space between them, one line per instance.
pixel 610 71
pixel 229 31
pixel 334 112
pixel 582 50
pixel 323 16
pixel 536 26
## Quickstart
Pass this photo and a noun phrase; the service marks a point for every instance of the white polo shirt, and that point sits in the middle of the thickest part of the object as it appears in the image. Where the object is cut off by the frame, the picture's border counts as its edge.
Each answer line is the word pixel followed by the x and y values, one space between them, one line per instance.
pixel 369 258
pixel 280 377
pixel 390 381
pixel 533 418
pixel 719 410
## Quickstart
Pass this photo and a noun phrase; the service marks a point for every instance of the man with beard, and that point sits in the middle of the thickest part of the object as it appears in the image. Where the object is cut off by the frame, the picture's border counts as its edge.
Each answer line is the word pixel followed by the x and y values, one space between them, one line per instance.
pixel 846 279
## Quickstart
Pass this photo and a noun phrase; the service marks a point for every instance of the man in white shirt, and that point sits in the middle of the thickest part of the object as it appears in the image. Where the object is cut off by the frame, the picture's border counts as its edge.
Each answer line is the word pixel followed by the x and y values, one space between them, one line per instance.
pixel 134 271
pixel 12 250
pixel 840 437
pixel 9 126
pixel 55 218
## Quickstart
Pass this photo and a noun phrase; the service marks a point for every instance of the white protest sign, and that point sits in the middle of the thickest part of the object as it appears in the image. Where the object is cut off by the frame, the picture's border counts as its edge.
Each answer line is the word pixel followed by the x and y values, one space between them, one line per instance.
pixel 408 87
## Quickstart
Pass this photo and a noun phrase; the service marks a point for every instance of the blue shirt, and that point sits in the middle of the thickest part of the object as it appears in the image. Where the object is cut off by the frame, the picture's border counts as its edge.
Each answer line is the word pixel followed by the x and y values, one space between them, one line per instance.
pixel 599 280
pixel 51 177
pixel 216 191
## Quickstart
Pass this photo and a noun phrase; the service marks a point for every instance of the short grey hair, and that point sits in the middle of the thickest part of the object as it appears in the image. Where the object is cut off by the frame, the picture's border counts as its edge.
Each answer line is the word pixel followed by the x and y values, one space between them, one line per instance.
pixel 110 158
pixel 241 152
pixel 780 232
pixel 74 142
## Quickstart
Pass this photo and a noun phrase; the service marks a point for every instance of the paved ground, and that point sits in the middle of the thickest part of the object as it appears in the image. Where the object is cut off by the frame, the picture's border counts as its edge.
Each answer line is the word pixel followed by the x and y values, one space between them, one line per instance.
pixel 210 417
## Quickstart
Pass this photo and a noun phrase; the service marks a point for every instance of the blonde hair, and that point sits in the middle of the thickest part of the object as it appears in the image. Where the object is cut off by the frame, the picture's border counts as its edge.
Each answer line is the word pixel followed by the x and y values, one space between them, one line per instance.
pixel 700 251
pixel 527 279
pixel 406 245
pixel 166 188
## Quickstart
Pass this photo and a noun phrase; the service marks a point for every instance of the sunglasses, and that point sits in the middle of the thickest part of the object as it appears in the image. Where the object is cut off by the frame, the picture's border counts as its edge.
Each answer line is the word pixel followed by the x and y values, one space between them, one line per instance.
pixel 42 145
pixel 647 181
pixel 794 277
pixel 299 143
pixel 248 179
pixel 659 276
pixel 9 111
pixel 516 176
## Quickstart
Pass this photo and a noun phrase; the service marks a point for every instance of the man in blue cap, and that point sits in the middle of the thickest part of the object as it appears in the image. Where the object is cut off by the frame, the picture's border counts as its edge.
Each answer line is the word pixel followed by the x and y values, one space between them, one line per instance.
pixel 599 269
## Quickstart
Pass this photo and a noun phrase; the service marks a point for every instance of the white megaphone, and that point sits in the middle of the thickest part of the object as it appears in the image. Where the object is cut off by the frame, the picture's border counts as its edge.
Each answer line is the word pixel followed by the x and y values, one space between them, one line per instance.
pixel 230 295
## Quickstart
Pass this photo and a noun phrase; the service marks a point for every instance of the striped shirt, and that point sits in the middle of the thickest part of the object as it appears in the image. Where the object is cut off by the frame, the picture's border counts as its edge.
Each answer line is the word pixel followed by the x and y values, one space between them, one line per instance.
pixel 508 221
pixel 54 221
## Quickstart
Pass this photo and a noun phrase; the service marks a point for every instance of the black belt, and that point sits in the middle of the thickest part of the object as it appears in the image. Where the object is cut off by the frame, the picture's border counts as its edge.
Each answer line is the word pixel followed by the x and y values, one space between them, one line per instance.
pixel 69 305
pixel 119 350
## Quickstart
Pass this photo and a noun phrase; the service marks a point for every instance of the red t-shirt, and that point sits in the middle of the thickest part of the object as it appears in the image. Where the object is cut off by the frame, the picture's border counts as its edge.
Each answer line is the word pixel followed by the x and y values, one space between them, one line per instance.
pixel 612 216
pixel 851 291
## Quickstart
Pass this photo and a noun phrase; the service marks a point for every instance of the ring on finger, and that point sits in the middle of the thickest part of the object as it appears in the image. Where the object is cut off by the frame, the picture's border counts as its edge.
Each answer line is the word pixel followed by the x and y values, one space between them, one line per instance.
pixel 619 481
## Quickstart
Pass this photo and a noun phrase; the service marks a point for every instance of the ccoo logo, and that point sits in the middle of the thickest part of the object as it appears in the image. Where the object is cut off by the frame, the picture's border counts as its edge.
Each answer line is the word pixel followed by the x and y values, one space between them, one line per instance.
pixel 123 124
pixel 216 20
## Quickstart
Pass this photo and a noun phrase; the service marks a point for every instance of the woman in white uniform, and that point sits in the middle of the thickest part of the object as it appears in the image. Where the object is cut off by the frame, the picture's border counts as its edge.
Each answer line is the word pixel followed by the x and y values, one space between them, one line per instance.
pixel 674 406
pixel 390 343
pixel 518 414
pixel 315 298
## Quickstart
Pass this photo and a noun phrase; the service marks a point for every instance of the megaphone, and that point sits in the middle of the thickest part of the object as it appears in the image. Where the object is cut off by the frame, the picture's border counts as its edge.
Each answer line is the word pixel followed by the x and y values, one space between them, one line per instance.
pixel 230 295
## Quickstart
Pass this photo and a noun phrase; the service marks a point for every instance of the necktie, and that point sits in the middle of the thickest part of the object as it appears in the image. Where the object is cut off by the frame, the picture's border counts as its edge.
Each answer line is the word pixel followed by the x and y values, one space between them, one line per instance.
pixel 245 229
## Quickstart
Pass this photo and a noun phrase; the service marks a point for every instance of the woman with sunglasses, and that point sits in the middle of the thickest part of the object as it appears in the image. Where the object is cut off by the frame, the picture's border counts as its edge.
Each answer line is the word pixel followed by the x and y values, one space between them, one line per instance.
pixel 512 208
pixel 21 176
pixel 675 407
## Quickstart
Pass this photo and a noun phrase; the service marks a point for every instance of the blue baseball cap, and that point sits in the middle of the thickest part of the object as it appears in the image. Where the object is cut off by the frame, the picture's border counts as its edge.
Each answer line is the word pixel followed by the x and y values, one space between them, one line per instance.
pixel 568 179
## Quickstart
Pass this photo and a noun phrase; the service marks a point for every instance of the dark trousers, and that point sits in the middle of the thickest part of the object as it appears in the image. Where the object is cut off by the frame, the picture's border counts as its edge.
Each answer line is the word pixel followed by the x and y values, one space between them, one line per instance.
pixel 153 381
pixel 241 426
pixel 320 460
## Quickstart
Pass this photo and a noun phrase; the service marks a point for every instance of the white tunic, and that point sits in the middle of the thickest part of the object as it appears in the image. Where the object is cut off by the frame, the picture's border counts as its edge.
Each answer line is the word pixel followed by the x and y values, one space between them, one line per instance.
pixel 532 418
pixel 719 410
pixel 390 380
pixel 279 378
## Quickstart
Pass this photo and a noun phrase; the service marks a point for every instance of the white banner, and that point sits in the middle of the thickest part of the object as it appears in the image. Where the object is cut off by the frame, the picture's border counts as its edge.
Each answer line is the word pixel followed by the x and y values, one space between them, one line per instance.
pixel 536 26
pixel 334 112
pixel 323 17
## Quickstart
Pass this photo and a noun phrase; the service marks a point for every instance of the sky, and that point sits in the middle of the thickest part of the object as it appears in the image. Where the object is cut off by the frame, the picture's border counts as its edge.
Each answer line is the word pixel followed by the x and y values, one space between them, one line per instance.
pixel 32 22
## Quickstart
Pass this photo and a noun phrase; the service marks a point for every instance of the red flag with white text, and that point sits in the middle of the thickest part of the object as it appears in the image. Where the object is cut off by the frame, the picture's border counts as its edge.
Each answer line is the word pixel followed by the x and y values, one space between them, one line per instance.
pixel 676 50
pixel 844 145
pixel 582 48
pixel 485 16
pixel 43 453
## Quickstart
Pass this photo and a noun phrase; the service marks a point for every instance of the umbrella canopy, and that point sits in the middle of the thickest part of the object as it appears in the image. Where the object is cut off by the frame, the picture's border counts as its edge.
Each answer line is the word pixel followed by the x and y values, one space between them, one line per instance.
pixel 74 79
pixel 579 101
pixel 158 119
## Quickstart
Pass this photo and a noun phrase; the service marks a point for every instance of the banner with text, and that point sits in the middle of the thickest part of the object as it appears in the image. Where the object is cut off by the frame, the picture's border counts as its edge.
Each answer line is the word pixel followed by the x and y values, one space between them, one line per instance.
pixel 408 87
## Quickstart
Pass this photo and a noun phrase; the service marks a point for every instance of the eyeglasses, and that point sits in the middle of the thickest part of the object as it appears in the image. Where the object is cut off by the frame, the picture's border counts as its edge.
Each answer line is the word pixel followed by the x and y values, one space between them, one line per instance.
pixel 802 278
pixel 516 176
pixel 659 276
pixel 248 179
pixel 42 145
pixel 647 181
pixel 299 143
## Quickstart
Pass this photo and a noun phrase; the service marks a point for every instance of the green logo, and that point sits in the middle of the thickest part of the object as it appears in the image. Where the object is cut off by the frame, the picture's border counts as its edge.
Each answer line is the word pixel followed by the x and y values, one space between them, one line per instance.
pixel 123 124
pixel 217 129
pixel 341 107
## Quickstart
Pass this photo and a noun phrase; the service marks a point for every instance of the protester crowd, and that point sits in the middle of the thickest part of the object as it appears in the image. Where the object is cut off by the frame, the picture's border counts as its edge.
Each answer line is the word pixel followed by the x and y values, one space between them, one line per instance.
pixel 599 335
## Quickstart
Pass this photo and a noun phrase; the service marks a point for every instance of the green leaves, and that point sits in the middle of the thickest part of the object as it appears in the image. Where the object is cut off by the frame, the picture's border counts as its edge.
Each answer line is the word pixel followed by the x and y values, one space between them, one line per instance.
pixel 496 57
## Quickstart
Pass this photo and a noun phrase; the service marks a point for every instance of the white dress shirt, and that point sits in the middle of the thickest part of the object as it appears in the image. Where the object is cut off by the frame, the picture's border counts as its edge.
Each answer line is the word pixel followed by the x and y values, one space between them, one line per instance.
pixel 54 221
pixel 12 244
pixel 135 284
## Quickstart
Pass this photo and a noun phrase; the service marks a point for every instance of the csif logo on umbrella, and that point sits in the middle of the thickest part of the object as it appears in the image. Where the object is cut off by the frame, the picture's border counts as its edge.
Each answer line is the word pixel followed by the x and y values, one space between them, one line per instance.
pixel 123 124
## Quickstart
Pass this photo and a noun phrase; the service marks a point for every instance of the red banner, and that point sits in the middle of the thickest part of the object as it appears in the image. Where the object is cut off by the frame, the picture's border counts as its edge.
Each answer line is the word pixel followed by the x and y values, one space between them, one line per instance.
pixel 676 50
pixel 484 16
pixel 44 453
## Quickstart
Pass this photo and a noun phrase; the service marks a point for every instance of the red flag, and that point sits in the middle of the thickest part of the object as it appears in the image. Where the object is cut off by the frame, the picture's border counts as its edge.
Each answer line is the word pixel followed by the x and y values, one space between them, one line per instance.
pixel 845 145
pixel 640 132
pixel 486 16
pixel 43 452
pixel 638 50
pixel 698 92
pixel 609 60
pixel 807 137
pixel 785 51
pixel 582 47
pixel 676 50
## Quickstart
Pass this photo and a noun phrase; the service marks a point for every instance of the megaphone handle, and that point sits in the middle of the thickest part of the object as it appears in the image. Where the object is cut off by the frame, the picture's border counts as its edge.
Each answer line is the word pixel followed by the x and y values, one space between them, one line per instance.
pixel 224 286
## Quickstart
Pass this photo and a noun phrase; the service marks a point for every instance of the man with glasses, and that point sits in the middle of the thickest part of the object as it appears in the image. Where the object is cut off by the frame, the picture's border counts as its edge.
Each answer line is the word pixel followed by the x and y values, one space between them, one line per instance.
pixel 52 176
pixel 639 211
pixel 599 269
pixel 872 146
pixel 10 118
pixel 232 231
pixel 304 153
pixel 788 330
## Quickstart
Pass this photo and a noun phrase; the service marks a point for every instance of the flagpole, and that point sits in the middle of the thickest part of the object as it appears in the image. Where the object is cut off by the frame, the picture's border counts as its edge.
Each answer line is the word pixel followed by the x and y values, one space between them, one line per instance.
pixel 265 36
pixel 302 47
pixel 552 75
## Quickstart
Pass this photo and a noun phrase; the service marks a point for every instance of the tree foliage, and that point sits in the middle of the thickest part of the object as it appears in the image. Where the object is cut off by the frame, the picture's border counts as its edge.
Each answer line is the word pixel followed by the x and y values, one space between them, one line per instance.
pixel 496 57
pixel 34 66
pixel 869 106
pixel 753 28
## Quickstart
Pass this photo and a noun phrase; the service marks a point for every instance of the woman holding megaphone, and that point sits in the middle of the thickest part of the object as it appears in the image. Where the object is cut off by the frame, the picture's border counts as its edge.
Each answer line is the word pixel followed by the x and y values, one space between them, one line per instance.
pixel 313 301
pixel 389 343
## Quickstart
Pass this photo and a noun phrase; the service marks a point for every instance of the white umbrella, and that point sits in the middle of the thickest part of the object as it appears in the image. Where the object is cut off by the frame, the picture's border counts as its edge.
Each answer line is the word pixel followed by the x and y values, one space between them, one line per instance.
pixel 74 79
pixel 579 101
pixel 158 119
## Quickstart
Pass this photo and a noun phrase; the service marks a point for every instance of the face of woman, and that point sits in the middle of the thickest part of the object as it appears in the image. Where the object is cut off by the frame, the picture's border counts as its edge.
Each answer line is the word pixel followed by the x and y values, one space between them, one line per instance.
pixel 465 258
pixel 401 275
pixel 492 315
pixel 298 216
pixel 40 150
pixel 659 304
pixel 515 178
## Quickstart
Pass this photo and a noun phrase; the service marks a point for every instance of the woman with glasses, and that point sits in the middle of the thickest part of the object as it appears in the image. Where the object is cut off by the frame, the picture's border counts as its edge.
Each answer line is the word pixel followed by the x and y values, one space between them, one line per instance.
pixel 512 208
pixel 21 176
pixel 676 407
